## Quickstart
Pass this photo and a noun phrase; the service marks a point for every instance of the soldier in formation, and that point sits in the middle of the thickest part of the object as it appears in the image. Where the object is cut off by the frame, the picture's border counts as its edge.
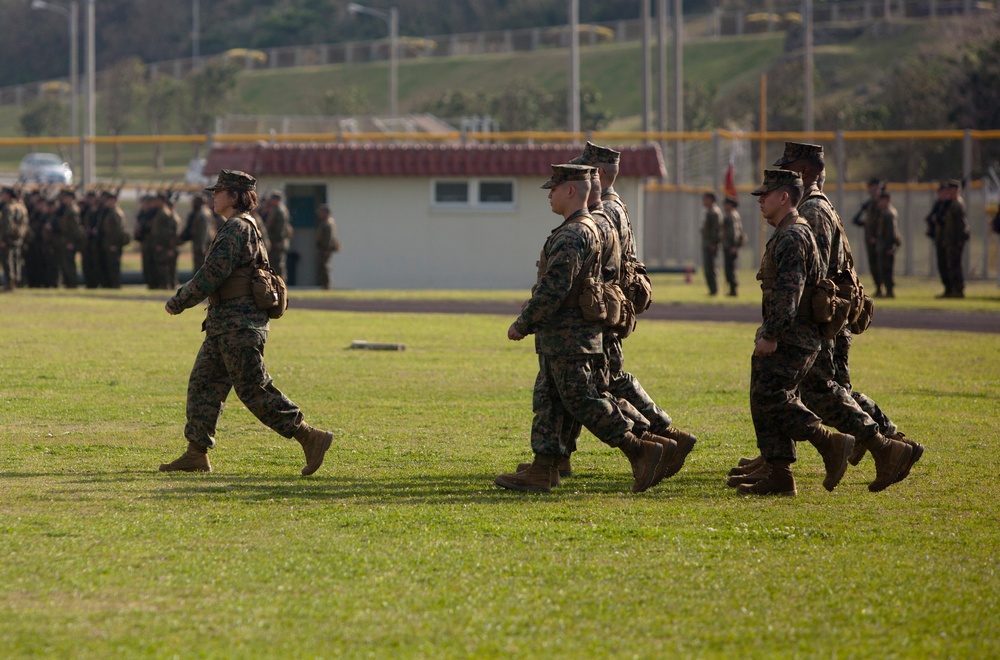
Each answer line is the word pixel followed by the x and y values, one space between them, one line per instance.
pixel 278 227
pixel 13 230
pixel 867 218
pixel 826 387
pixel 951 233
pixel 732 239
pixel 564 315
pixel 710 228
pixel 326 244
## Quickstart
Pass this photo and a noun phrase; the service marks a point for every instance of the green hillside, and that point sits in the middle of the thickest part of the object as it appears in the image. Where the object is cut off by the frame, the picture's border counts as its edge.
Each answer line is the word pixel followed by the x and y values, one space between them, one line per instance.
pixel 729 67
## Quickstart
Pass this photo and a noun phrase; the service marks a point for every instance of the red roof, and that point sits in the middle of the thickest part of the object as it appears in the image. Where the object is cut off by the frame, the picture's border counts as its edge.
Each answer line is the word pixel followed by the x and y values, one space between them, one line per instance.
pixel 416 160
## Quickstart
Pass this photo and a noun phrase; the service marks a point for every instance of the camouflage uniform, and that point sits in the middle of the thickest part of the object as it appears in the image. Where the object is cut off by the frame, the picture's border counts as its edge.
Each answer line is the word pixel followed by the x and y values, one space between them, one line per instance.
pixel 953 235
pixel 113 238
pixel 232 355
pixel 326 245
pixel 161 235
pixel 887 239
pixel 790 264
pixel 201 231
pixel 279 232
pixel 731 236
pixel 827 389
pixel 570 353
pixel 68 239
pixel 623 384
pixel 13 229
pixel 710 245
pixel 869 219
pixel 90 255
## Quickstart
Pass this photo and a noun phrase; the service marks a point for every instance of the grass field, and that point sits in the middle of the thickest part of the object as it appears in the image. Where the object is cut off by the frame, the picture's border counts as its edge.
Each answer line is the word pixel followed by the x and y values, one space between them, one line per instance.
pixel 402 546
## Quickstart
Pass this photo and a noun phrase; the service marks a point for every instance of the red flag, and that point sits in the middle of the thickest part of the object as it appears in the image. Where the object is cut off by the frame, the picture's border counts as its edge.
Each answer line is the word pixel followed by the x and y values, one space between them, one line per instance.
pixel 729 185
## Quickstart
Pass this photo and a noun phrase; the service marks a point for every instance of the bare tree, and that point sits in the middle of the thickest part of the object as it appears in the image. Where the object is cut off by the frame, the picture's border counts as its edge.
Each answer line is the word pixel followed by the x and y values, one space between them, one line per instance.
pixel 122 92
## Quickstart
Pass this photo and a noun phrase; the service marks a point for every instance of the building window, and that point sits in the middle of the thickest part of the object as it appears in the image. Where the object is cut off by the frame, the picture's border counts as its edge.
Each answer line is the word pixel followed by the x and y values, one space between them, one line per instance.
pixel 451 192
pixel 496 192
pixel 474 194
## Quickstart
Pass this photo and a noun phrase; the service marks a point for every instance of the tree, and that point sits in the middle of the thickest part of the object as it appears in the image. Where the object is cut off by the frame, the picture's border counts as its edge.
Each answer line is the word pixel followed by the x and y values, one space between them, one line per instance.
pixel 122 91
pixel 46 116
pixel 350 100
pixel 975 98
pixel 161 106
pixel 208 92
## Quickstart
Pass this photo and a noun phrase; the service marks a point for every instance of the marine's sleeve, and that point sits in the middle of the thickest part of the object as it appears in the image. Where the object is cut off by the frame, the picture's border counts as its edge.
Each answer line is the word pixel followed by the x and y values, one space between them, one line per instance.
pixel 549 293
pixel 222 258
pixel 790 261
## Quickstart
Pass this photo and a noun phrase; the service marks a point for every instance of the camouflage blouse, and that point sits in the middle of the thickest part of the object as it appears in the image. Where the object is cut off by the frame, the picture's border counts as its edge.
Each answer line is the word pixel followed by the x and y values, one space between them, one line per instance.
pixel 789 264
pixel 237 245
pixel 559 329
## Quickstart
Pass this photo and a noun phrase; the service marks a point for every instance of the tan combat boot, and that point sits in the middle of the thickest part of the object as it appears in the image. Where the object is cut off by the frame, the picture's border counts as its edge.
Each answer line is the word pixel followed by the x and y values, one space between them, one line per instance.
pixel 685 443
pixel 779 481
pixel 857 453
pixel 891 456
pixel 746 466
pixel 834 448
pixel 195 459
pixel 751 478
pixel 918 451
pixel 554 474
pixel 315 443
pixel 563 467
pixel 537 478
pixel 669 452
pixel 646 459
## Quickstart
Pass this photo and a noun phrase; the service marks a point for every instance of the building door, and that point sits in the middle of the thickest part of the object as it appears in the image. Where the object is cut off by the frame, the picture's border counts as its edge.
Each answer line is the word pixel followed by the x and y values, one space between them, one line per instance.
pixel 302 201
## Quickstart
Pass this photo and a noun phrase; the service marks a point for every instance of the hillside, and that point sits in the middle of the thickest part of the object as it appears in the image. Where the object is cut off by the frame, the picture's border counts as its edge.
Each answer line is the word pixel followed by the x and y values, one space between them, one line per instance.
pixel 726 71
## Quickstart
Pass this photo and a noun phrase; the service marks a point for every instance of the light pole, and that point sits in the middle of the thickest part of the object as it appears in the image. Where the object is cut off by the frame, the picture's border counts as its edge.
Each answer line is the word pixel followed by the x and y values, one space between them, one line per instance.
pixel 195 31
pixel 89 161
pixel 574 66
pixel 71 15
pixel 392 20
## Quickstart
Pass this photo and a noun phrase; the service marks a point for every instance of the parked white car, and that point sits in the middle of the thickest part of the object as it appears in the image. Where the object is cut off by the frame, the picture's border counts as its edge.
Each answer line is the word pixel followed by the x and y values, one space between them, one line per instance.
pixel 45 169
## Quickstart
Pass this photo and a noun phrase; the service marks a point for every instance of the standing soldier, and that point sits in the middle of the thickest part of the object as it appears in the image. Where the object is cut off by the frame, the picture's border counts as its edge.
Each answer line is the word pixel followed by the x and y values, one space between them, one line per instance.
pixel 568 339
pixel 162 236
pixel 90 256
pixel 887 239
pixel 68 234
pixel 200 230
pixel 710 240
pixel 278 222
pixel 733 239
pixel 113 239
pixel 143 221
pixel 934 221
pixel 174 253
pixel 954 234
pixel 13 229
pixel 868 217
pixel 326 244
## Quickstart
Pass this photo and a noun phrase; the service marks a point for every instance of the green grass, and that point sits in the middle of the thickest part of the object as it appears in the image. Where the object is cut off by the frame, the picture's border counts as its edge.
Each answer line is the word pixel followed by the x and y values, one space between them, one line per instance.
pixel 401 544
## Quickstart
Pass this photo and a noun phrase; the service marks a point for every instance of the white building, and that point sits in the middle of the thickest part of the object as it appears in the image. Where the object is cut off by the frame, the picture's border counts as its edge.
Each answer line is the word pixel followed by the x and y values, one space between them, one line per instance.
pixel 425 216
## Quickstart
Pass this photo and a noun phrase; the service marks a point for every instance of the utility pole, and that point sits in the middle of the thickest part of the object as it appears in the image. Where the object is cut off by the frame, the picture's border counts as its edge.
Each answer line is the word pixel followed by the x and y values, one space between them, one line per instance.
pixel 89 160
pixel 679 90
pixel 646 66
pixel 807 109
pixel 574 66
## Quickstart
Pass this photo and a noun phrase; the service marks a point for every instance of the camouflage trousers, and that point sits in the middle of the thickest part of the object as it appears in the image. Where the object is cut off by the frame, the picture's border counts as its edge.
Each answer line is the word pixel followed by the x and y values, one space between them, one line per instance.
pixel 711 274
pixel 66 264
pixel 277 257
pixel 235 360
pixel 568 394
pixel 729 266
pixel 834 404
pixel 842 375
pixel 624 385
pixel 780 419
pixel 12 264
